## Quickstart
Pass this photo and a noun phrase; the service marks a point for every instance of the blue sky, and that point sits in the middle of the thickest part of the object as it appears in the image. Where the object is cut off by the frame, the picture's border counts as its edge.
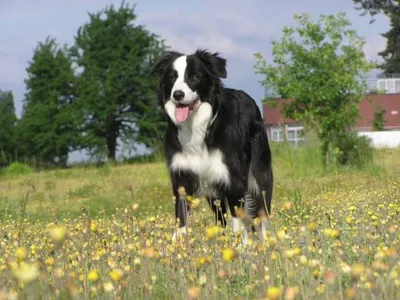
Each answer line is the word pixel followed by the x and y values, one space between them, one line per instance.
pixel 235 28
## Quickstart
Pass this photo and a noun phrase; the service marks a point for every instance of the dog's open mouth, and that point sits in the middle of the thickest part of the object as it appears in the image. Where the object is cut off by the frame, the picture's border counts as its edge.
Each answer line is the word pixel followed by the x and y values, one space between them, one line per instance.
pixel 182 111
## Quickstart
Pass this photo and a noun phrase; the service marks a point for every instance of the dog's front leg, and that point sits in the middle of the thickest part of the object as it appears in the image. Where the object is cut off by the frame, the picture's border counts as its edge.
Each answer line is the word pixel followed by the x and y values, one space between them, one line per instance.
pixel 183 186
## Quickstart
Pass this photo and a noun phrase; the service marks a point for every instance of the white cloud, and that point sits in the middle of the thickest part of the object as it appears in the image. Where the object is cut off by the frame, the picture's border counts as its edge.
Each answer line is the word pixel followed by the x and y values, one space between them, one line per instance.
pixel 373 45
pixel 220 32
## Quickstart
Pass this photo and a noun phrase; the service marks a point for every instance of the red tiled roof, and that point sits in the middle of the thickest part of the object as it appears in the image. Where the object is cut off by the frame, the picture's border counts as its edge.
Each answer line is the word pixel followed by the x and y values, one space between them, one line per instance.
pixel 389 102
pixel 274 114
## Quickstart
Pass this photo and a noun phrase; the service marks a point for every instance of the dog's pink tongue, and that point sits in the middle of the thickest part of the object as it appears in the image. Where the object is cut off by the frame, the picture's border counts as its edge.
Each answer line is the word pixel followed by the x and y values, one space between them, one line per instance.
pixel 181 113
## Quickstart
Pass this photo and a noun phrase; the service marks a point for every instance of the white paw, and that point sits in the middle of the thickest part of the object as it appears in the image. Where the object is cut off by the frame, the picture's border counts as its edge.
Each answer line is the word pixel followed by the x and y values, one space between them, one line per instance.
pixel 181 231
pixel 245 237
pixel 235 225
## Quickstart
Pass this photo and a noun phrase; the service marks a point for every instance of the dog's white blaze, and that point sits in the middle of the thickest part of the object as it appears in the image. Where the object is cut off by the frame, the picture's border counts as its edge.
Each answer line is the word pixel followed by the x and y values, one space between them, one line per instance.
pixel 180 65
pixel 208 165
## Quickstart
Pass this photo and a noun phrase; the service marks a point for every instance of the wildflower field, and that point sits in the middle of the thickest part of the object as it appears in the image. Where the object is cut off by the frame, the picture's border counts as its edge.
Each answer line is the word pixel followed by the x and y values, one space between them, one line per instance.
pixel 105 233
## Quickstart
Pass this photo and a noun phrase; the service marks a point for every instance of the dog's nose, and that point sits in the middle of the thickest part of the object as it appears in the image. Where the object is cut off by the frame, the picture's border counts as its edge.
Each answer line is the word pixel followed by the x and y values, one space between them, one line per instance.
pixel 178 95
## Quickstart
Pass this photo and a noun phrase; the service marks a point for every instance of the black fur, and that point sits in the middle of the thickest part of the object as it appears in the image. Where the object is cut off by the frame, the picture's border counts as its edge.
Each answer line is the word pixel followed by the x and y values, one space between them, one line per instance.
pixel 238 132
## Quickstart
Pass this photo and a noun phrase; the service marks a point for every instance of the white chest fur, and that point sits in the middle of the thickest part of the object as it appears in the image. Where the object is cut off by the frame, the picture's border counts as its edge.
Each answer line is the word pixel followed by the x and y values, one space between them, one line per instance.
pixel 208 165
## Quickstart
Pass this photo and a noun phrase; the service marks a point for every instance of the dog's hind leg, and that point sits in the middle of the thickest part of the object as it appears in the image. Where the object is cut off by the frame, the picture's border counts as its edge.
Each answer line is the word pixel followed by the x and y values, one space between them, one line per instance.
pixel 260 180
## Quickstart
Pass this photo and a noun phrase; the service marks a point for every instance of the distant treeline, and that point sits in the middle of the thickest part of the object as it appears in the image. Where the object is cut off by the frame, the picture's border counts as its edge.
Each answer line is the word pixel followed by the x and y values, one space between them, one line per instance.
pixel 93 95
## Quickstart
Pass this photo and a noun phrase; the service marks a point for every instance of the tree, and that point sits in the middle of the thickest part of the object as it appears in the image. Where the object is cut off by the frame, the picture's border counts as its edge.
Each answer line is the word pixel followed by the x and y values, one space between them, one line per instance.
pixel 47 130
pixel 374 7
pixel 322 66
pixel 391 9
pixel 7 127
pixel 378 123
pixel 116 93
pixel 391 54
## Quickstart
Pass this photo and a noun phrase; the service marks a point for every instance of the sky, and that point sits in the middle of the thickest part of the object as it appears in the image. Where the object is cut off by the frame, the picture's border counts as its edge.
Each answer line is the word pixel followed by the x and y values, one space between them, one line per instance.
pixel 237 29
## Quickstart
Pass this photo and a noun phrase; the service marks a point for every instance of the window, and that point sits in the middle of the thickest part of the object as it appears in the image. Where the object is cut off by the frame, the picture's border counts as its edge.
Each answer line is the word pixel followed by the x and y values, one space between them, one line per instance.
pixel 277 134
pixel 291 134
pixel 294 134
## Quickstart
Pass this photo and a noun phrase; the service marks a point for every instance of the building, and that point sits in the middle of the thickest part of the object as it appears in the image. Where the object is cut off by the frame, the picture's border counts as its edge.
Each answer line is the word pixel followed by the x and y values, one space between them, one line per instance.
pixel 278 126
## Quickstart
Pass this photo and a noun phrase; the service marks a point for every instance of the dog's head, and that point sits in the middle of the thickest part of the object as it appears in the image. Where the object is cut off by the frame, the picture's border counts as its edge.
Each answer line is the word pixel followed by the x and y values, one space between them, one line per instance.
pixel 185 81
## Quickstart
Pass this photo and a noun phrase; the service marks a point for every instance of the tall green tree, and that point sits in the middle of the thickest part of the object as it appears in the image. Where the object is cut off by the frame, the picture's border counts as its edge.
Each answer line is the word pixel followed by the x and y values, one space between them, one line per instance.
pixel 374 7
pixel 323 67
pixel 390 8
pixel 47 129
pixel 8 120
pixel 116 93
pixel 391 55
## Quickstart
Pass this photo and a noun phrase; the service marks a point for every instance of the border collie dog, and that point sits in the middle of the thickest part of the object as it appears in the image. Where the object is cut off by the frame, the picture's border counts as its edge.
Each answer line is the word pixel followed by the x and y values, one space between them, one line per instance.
pixel 216 144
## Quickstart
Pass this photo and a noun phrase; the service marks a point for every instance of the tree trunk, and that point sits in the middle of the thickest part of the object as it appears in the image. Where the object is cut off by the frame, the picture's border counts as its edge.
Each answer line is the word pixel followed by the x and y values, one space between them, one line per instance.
pixel 325 153
pixel 111 146
pixel 112 135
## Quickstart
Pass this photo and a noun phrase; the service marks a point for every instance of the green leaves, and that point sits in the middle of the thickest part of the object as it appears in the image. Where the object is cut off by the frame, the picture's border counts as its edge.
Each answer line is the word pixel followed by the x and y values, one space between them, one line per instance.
pixel 115 92
pixel 47 130
pixel 7 127
pixel 320 64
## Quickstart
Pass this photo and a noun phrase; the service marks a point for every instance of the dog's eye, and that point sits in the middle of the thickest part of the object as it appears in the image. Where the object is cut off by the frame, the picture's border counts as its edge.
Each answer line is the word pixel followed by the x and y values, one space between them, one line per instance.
pixel 195 77
pixel 171 76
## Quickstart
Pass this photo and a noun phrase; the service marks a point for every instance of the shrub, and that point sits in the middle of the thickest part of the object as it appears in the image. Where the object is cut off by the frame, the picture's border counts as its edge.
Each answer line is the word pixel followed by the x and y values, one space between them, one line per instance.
pixel 354 150
pixel 17 168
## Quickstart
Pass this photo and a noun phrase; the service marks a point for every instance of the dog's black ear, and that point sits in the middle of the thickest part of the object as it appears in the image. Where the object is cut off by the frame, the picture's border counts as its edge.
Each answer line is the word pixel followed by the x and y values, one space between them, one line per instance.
pixel 214 62
pixel 163 62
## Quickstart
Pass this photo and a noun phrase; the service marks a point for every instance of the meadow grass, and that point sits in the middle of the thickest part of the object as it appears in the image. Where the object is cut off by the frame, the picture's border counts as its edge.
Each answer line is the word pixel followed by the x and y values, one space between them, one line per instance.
pixel 105 233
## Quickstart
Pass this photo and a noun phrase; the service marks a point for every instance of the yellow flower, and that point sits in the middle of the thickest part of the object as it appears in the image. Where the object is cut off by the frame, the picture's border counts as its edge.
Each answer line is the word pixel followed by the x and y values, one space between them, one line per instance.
pixel 26 273
pixel 49 261
pixel 315 273
pixel 229 254
pixel 271 242
pixel 331 233
pixel 195 203
pixel 288 205
pixel 201 261
pixel 93 227
pixel 320 289
pixel 312 226
pixel 291 293
pixel 93 276
pixel 57 233
pixel 212 232
pixel 357 270
pixel 303 259
pixel 273 293
pixel 350 293
pixel 59 273
pixel 282 235
pixel 108 286
pixel 21 253
pixel 116 274
pixel 193 293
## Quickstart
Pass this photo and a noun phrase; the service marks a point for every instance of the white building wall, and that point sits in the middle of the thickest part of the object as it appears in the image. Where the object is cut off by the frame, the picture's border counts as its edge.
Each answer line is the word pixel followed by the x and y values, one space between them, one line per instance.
pixel 383 139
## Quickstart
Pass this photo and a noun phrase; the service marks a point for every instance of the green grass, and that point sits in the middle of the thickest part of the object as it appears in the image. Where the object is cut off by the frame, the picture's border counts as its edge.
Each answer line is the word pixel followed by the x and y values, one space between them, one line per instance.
pixel 119 218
